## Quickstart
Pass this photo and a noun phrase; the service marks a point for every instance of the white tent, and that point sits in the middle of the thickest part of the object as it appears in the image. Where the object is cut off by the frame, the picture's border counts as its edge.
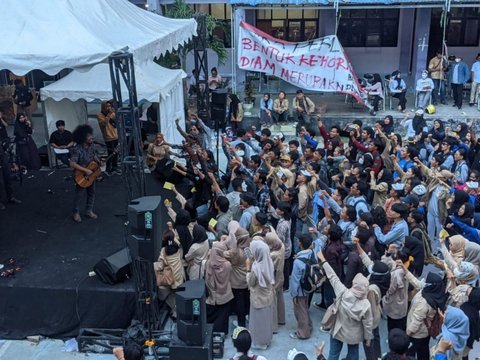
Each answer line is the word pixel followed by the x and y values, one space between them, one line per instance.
pixel 66 98
pixel 51 35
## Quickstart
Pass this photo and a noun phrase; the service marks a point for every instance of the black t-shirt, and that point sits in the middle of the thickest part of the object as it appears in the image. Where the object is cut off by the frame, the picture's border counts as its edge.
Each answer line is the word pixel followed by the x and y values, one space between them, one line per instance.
pixel 61 139
pixel 3 132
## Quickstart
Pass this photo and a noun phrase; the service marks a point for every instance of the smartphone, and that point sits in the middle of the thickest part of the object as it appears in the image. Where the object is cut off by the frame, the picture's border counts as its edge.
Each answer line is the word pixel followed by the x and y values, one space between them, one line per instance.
pixel 248 253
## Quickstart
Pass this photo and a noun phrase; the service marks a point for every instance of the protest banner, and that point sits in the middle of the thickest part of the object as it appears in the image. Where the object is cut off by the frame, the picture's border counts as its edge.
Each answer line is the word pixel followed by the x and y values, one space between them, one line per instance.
pixel 317 65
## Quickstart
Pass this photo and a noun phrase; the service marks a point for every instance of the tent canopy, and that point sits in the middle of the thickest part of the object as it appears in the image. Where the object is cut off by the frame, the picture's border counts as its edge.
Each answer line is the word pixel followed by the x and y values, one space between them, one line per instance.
pixel 151 79
pixel 51 35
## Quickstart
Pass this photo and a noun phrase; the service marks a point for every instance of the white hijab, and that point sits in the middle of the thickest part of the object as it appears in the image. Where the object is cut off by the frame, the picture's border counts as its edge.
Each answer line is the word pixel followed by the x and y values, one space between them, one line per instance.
pixel 262 265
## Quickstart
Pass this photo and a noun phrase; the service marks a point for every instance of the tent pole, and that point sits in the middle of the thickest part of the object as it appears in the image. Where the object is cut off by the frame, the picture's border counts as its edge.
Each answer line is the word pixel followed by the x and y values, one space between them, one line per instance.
pixel 234 48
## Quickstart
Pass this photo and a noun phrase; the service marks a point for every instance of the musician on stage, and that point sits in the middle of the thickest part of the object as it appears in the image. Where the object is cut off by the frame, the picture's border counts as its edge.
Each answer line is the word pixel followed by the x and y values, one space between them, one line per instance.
pixel 83 154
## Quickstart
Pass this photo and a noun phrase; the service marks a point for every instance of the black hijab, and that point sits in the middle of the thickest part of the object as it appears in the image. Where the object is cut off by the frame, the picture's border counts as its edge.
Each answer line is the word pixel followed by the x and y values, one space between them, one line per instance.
pixel 380 276
pixel 266 101
pixel 461 197
pixel 434 291
pixel 471 309
pixel 397 79
pixel 387 176
pixel 181 225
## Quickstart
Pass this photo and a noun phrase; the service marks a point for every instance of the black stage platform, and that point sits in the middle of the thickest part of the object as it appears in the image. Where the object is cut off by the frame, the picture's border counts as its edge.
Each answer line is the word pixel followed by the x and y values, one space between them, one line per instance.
pixel 52 294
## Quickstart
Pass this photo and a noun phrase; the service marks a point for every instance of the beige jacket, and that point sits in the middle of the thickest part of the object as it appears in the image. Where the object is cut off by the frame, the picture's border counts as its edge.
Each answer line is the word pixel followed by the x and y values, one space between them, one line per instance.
pixel 195 257
pixel 420 312
pixel 280 108
pixel 354 322
pixel 380 193
pixel 175 262
pixel 260 297
pixel 238 277
pixel 215 298
pixel 309 108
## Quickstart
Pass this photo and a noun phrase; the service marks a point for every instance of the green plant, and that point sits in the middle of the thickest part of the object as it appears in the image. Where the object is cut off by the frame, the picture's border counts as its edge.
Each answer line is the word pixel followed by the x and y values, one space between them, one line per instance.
pixel 181 10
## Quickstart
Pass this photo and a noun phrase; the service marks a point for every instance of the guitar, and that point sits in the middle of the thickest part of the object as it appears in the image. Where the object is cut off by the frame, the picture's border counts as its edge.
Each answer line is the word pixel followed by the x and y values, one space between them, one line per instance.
pixel 85 181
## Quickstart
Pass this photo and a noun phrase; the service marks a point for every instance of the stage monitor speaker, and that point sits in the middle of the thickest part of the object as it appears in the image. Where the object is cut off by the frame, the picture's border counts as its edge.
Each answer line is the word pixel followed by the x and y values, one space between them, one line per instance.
pixel 219 97
pixel 115 268
pixel 145 220
pixel 217 115
pixel 179 350
pixel 191 312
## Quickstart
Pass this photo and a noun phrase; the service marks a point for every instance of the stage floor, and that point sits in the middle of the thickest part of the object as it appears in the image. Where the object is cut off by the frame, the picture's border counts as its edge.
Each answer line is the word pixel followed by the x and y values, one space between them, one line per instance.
pixel 52 294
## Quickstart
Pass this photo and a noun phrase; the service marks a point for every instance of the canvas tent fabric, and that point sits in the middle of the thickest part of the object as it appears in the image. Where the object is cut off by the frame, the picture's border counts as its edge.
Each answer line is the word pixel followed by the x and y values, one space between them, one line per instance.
pixel 66 98
pixel 51 35
pixel 151 79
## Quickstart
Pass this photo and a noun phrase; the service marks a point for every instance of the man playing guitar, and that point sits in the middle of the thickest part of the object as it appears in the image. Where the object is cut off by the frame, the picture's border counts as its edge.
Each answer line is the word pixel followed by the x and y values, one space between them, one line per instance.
pixel 82 155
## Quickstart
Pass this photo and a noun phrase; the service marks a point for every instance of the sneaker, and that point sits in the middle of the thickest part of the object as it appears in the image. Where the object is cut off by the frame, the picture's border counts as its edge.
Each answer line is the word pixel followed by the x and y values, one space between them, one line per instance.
pixel 118 172
pixel 373 113
pixel 91 215
pixel 77 218
pixel 322 329
pixel 294 336
pixel 108 173
pixel 471 104
pixel 319 306
pixel 13 200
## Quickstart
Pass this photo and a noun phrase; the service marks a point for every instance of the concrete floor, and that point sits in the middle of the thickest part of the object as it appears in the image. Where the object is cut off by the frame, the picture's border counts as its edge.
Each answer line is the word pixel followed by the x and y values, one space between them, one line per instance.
pixel 54 349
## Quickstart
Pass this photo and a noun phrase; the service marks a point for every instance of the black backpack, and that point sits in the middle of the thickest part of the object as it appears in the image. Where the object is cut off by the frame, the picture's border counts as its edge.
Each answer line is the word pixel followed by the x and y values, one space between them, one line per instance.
pixel 313 274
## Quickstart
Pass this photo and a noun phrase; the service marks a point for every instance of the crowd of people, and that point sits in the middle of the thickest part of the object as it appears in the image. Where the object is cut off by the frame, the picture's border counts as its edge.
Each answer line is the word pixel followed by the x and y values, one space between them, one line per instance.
pixel 356 221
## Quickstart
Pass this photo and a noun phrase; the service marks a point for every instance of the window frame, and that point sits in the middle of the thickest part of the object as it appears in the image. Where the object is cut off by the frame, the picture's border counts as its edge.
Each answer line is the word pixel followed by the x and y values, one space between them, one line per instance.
pixel 464 17
pixel 349 17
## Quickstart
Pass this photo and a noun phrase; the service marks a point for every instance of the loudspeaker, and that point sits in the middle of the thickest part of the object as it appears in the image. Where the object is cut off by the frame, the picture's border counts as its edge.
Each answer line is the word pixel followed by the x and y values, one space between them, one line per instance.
pixel 191 312
pixel 217 115
pixel 144 219
pixel 115 268
pixel 219 97
pixel 179 350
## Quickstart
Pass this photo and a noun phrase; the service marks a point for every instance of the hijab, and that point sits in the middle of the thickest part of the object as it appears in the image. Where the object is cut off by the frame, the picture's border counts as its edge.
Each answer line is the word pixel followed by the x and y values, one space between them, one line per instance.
pixel 359 286
pixel 387 177
pixel 471 309
pixel 273 242
pixel 457 247
pixel 455 329
pixel 466 272
pixel 380 276
pixel 398 80
pixel 218 269
pixel 461 197
pixel 187 238
pixel 434 291
pixel 467 215
pixel 262 265
pixel 266 101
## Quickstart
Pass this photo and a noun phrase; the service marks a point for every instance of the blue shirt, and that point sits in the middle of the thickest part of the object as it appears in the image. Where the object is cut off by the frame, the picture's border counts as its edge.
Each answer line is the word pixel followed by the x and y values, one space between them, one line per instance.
pixel 297 273
pixel 395 236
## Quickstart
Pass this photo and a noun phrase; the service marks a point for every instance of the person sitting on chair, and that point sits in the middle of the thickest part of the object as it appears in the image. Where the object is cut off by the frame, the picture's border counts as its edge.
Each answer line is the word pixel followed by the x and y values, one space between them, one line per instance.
pixel 398 88
pixel 375 91
pixel 424 89
pixel 61 141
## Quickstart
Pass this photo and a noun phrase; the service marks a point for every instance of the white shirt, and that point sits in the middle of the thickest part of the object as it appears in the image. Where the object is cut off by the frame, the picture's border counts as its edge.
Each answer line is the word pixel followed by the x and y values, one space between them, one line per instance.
pixel 476 71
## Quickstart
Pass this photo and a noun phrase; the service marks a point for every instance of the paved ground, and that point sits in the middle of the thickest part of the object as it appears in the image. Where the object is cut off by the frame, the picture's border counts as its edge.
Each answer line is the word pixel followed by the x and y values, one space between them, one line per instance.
pixel 281 344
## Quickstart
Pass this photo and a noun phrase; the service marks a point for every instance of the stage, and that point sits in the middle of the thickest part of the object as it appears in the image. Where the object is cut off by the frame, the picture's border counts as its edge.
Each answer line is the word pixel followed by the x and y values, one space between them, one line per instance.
pixel 51 294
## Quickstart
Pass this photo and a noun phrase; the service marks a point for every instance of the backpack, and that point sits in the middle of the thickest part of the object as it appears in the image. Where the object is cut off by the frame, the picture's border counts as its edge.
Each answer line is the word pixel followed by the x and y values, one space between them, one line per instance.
pixel 435 326
pixel 23 96
pixel 361 201
pixel 312 276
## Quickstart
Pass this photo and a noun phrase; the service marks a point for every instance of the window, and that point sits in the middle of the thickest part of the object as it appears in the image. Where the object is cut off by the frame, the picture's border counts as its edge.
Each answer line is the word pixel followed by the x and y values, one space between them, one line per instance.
pixel 368 28
pixel 295 24
pixel 463 27
pixel 223 14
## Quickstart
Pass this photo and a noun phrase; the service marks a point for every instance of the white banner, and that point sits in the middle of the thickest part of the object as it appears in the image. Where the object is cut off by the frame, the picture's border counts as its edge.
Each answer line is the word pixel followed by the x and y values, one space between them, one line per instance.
pixel 317 65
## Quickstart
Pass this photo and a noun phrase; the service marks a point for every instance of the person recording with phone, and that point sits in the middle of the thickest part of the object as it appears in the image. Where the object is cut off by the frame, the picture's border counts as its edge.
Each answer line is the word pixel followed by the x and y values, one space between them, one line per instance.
pixel 108 126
